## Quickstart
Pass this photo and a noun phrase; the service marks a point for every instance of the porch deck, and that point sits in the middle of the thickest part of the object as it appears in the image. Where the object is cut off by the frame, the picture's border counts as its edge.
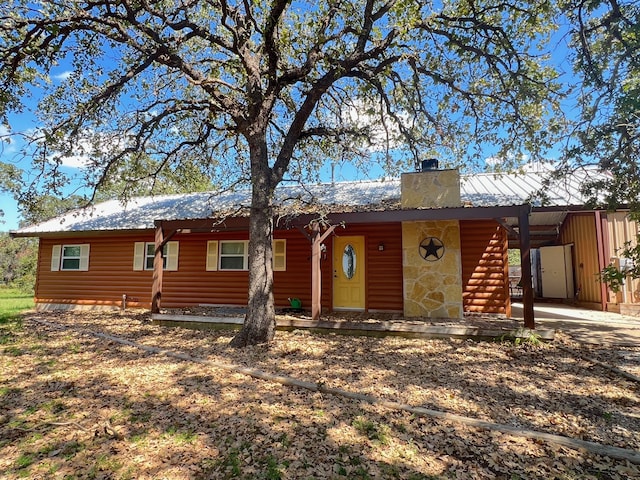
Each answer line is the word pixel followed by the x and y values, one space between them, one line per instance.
pixel 360 323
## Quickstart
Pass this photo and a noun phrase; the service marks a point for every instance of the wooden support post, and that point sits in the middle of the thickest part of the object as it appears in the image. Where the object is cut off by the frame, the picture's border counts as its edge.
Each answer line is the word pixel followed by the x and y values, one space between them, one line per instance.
pixel 158 265
pixel 316 273
pixel 525 265
pixel 316 276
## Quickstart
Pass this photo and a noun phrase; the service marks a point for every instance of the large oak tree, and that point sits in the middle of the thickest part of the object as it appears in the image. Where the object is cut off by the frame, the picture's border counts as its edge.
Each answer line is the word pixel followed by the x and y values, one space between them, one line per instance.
pixel 605 49
pixel 263 92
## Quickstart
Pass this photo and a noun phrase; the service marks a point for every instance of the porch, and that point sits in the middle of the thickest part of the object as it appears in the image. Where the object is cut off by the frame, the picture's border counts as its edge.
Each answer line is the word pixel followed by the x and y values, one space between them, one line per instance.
pixel 475 326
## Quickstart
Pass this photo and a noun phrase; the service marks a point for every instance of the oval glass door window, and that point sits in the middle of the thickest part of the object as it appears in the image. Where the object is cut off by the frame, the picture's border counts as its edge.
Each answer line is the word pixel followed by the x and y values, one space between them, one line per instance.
pixel 349 261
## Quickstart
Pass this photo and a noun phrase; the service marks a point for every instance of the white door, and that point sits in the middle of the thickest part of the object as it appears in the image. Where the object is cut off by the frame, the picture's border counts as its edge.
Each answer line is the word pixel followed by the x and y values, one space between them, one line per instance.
pixel 556 268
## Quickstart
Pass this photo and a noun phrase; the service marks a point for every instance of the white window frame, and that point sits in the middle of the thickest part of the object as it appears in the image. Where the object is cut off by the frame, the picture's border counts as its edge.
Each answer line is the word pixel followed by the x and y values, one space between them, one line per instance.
pixel 149 258
pixel 214 262
pixel 58 257
pixel 141 256
pixel 245 255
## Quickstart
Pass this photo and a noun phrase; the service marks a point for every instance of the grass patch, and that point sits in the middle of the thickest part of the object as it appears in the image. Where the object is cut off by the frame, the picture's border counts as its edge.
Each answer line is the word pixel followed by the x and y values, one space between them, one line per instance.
pixel 12 303
pixel 180 437
pixel 25 460
pixel 372 430
pixel 104 465
pixel 231 464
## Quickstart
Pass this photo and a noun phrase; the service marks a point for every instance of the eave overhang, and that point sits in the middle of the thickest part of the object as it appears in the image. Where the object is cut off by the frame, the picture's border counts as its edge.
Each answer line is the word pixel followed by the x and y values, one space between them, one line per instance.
pixel 386 216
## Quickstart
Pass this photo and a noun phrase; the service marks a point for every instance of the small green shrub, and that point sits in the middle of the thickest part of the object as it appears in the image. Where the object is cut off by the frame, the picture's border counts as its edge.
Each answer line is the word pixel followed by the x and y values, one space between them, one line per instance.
pixel 371 430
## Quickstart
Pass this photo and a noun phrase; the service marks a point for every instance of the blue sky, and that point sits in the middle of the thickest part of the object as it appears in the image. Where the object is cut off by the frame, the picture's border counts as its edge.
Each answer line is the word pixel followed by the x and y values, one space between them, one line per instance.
pixel 10 153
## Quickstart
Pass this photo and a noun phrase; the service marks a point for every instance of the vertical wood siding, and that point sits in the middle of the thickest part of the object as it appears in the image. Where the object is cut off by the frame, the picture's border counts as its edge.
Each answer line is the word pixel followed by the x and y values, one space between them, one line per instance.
pixel 485 269
pixel 579 229
pixel 621 229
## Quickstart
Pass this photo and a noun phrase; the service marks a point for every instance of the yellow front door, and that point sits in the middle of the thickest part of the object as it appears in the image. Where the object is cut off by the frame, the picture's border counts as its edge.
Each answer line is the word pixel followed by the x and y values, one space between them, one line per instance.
pixel 348 273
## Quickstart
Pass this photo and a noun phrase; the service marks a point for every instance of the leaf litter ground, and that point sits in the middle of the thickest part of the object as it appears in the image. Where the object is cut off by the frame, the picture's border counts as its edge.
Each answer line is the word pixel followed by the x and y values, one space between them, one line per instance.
pixel 74 406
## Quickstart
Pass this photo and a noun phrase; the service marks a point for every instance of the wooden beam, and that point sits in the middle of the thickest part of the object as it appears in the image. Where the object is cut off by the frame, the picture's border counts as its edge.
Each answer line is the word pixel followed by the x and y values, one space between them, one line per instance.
pixel 158 266
pixel 525 266
pixel 316 273
pixel 454 213
pixel 385 216
pixel 506 226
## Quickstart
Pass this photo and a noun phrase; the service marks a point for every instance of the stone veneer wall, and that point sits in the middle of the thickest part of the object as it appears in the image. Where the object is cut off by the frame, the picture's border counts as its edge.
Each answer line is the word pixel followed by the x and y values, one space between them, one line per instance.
pixel 431 288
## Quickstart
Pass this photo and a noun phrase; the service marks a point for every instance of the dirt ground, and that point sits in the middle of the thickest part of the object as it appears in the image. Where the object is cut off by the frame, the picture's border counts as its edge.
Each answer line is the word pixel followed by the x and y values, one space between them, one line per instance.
pixel 74 405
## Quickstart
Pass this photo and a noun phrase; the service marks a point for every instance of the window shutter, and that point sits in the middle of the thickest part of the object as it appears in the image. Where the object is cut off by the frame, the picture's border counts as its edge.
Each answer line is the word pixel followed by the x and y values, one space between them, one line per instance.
pixel 279 255
pixel 172 256
pixel 56 251
pixel 138 256
pixel 212 255
pixel 84 257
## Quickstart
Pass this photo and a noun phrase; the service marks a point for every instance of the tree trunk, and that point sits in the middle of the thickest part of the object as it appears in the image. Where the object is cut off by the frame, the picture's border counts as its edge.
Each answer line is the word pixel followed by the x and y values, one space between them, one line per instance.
pixel 260 321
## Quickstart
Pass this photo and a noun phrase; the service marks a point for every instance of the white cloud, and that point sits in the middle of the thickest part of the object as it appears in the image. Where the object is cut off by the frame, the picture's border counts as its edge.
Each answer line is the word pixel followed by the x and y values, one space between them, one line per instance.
pixel 63 76
pixel 85 150
pixel 7 142
pixel 366 115
pixel 79 161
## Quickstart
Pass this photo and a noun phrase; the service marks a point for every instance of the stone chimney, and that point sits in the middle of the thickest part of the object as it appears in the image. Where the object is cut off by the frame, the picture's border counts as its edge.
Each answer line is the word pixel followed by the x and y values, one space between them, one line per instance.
pixel 432 278
pixel 430 188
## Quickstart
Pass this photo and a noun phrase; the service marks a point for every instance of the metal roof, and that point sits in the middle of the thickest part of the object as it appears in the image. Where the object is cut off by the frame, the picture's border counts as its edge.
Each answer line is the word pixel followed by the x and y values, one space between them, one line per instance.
pixel 478 190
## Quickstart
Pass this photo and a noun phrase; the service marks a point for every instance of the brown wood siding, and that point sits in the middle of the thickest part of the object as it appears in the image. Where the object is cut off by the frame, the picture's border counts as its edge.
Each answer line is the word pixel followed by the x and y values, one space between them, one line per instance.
pixel 485 269
pixel 383 268
pixel 193 285
pixel 110 273
pixel 580 230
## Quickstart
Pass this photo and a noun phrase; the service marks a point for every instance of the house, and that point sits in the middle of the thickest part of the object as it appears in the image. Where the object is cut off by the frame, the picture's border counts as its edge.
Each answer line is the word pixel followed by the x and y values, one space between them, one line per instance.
pixel 430 244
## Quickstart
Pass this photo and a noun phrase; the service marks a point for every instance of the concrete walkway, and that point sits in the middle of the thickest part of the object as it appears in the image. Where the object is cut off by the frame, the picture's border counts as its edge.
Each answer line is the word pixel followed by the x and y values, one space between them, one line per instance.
pixel 588 326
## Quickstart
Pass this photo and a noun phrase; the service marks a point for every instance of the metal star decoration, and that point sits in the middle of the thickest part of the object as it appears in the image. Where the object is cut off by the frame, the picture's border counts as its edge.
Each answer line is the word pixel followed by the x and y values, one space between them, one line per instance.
pixel 431 249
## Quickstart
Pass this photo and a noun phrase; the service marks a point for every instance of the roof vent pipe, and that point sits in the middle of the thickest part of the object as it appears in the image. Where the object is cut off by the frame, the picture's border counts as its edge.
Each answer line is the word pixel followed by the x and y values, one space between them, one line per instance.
pixel 429 164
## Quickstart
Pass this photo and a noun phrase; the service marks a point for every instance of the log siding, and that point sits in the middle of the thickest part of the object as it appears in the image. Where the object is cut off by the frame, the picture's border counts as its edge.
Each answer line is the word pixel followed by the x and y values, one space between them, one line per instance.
pixel 111 271
pixel 485 267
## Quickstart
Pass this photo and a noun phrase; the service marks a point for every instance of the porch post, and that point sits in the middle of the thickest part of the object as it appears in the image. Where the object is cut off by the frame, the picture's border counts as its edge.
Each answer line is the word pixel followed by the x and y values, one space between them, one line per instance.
pixel 316 277
pixel 156 289
pixel 525 265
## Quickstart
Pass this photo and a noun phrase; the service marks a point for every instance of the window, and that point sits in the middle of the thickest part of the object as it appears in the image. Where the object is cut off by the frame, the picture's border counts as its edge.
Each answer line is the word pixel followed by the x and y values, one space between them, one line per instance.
pixel 150 255
pixel 234 255
pixel 144 253
pixel 70 257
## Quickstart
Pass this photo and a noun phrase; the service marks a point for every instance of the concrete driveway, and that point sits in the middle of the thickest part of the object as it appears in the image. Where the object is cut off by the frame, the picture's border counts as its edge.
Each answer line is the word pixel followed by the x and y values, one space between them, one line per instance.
pixel 588 326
